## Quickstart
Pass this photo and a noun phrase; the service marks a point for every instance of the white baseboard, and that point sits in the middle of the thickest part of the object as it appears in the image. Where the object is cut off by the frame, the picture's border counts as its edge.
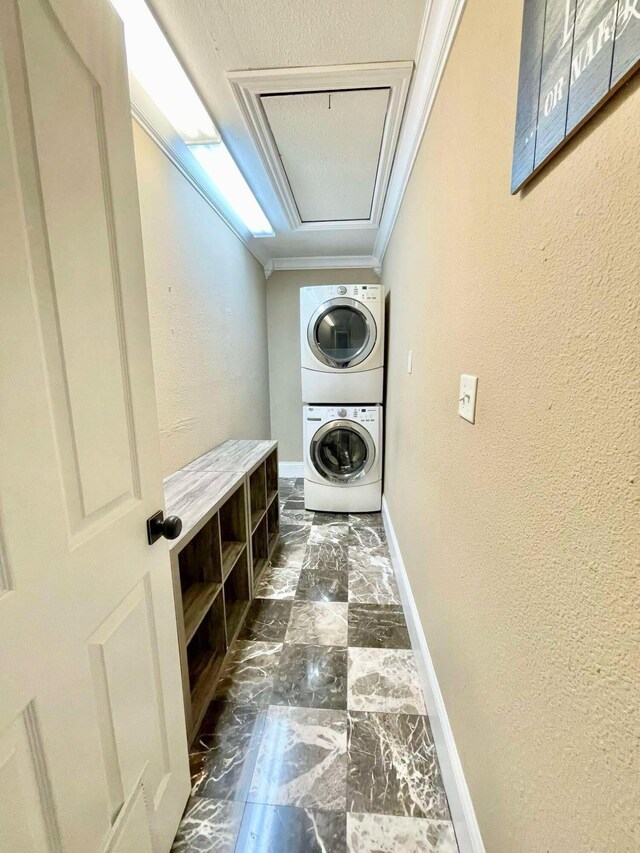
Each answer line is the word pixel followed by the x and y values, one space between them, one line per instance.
pixel 291 469
pixel 462 811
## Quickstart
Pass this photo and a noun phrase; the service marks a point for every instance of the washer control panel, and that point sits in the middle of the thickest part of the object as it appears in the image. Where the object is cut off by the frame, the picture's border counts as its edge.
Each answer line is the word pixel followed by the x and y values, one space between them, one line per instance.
pixel 362 414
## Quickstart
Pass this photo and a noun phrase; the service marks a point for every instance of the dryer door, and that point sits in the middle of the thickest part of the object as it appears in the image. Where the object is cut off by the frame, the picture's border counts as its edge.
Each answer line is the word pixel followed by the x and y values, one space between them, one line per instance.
pixel 342 333
pixel 342 452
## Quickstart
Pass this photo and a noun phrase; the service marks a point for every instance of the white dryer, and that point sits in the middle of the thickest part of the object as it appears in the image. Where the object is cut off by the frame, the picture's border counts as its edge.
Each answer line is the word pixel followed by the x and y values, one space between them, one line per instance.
pixel 342 343
pixel 343 458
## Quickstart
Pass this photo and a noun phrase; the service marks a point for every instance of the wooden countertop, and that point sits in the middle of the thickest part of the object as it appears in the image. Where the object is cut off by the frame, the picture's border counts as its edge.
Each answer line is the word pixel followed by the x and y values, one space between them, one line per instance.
pixel 234 455
pixel 196 491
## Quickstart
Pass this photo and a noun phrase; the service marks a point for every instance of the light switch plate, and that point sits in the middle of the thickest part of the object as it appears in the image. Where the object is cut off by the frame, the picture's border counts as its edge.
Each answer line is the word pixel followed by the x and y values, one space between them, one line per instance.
pixel 410 361
pixel 467 397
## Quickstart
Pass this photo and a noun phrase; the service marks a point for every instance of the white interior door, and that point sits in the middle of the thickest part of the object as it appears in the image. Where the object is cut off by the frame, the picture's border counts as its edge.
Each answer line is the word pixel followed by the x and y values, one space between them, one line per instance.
pixel 93 751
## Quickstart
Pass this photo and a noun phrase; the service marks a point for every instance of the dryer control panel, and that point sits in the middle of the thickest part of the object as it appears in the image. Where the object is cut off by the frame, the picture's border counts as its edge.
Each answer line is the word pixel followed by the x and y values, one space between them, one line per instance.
pixel 361 292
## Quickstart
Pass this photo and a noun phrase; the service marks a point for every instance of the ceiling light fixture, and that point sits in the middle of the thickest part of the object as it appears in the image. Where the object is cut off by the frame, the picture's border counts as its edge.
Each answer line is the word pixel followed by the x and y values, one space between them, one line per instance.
pixel 155 66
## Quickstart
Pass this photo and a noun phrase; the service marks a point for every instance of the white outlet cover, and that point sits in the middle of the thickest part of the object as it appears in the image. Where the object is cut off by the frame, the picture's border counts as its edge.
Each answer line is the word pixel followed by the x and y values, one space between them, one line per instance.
pixel 410 361
pixel 467 397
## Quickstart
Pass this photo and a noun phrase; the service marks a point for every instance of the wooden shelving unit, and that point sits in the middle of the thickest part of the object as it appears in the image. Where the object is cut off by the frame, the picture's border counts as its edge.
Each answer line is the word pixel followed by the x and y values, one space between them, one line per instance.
pixel 228 502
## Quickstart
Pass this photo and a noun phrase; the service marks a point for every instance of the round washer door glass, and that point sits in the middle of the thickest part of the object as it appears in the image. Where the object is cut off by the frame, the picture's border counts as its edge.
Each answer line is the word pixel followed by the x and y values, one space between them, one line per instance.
pixel 341 333
pixel 342 454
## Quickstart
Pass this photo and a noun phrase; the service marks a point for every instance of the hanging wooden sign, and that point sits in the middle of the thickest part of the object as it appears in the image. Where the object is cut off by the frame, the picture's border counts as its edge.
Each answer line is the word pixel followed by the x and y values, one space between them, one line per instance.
pixel 574 55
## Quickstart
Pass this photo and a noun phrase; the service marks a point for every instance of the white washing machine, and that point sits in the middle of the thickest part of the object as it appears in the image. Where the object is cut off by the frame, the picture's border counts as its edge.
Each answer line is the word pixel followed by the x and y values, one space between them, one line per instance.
pixel 342 343
pixel 343 458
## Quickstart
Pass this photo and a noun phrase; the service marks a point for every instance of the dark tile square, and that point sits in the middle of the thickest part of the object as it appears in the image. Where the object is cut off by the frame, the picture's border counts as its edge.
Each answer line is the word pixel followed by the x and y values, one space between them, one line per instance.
pixel 266 620
pixel 296 516
pixel 331 518
pixel 326 556
pixel 247 674
pixel 294 533
pixel 294 501
pixel 321 585
pixel 285 829
pixel 378 626
pixel 311 677
pixel 223 753
pixel 393 768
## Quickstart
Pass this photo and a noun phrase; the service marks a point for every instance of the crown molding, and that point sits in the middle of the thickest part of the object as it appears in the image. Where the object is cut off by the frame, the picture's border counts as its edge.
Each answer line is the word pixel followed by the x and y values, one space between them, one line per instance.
pixel 333 262
pixel 249 86
pixel 439 26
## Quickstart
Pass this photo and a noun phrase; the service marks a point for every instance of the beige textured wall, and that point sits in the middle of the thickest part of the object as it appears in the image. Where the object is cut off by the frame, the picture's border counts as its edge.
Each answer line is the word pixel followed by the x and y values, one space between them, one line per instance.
pixel 521 534
pixel 283 312
pixel 207 304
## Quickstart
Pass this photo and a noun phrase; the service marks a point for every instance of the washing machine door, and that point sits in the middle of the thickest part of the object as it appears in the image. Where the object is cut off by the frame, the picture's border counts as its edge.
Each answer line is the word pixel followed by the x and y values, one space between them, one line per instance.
pixel 342 452
pixel 342 333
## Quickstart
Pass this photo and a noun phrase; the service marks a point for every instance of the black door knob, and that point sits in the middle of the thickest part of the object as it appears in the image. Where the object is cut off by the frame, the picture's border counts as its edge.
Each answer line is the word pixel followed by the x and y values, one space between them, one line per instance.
pixel 157 526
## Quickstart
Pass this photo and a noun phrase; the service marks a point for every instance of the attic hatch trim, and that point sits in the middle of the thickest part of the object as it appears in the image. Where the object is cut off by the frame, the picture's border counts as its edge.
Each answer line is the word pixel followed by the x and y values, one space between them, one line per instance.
pixel 250 86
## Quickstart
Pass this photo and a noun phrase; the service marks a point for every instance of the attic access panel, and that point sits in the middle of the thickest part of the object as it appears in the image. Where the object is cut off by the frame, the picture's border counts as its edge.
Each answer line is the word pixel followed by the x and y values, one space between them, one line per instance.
pixel 329 187
pixel 329 144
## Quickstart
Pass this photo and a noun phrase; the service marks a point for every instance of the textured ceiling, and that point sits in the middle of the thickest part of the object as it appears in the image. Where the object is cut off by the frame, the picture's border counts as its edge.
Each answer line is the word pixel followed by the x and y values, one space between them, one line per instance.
pixel 213 37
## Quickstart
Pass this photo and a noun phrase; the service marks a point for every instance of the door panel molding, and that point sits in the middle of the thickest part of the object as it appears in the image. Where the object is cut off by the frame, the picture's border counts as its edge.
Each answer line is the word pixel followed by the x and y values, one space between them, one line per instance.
pixel 26 796
pixel 122 649
pixel 96 426
pixel 6 575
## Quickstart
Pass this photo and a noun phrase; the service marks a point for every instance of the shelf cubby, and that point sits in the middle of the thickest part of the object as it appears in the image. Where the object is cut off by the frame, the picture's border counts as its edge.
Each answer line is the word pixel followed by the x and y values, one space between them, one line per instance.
pixel 236 596
pixel 205 655
pixel 273 527
pixel 271 473
pixel 257 495
pixel 233 529
pixel 200 570
pixel 260 548
pixel 196 602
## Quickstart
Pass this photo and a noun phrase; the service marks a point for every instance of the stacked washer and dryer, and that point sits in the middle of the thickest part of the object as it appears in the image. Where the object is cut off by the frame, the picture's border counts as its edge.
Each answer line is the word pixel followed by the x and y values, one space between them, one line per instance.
pixel 342 359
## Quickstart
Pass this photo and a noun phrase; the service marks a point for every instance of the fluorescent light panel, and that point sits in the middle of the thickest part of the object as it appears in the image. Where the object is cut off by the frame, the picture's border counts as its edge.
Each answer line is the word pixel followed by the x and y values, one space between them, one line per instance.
pixel 220 166
pixel 155 66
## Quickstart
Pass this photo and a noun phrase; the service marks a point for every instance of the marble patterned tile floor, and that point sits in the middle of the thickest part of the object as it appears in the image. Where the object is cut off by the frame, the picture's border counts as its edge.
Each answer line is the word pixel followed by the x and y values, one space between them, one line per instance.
pixel 317 738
